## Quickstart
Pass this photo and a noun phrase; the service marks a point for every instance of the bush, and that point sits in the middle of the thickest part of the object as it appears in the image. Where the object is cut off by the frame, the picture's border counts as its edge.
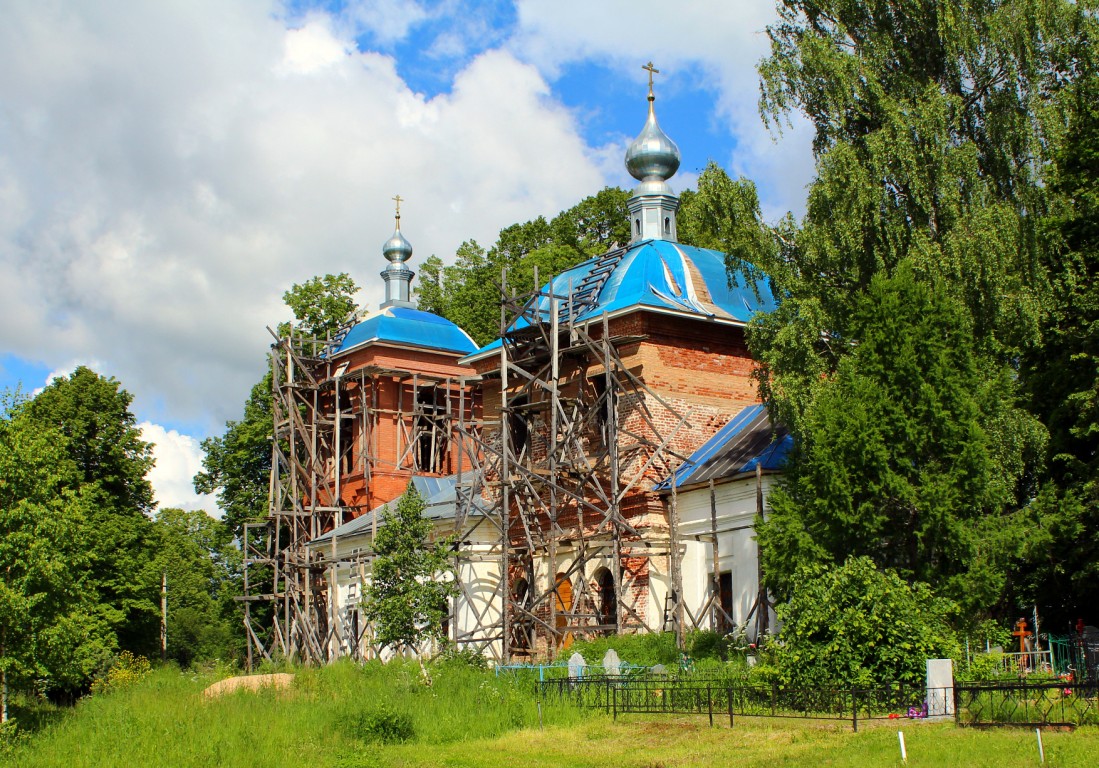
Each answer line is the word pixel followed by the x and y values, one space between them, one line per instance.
pixel 126 670
pixel 645 650
pixel 856 626
pixel 386 725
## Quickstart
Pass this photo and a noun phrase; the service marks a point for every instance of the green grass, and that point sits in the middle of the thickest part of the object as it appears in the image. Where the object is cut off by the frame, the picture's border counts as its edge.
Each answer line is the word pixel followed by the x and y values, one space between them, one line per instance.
pixel 337 717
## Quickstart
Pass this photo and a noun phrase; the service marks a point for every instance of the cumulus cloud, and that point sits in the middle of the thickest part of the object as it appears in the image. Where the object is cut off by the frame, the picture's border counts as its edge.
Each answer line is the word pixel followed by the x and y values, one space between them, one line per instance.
pixel 168 170
pixel 178 459
pixel 716 44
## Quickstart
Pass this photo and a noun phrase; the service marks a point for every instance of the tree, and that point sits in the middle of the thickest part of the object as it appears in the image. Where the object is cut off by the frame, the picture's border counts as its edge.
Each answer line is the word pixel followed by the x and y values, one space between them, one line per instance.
pixel 1061 380
pixel 48 629
pixel 910 453
pixel 110 462
pixel 934 122
pixel 102 438
pixel 321 305
pixel 857 626
pixel 202 567
pixel 407 597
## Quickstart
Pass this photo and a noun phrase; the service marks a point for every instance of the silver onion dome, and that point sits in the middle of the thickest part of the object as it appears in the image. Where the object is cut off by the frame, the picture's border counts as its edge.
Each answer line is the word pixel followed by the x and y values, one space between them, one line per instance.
pixel 652 156
pixel 396 248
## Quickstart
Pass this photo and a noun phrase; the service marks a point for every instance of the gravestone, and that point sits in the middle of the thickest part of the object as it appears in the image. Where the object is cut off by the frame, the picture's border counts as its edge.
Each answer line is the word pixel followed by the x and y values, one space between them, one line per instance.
pixel 611 663
pixel 658 669
pixel 940 688
pixel 577 665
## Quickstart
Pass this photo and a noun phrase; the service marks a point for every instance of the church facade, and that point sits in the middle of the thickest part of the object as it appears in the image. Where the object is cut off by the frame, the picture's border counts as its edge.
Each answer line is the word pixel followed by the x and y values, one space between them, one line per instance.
pixel 600 465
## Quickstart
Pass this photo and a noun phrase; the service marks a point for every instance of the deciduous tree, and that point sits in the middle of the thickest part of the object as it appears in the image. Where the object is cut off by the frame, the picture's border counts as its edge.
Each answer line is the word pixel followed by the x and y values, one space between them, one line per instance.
pixel 407 597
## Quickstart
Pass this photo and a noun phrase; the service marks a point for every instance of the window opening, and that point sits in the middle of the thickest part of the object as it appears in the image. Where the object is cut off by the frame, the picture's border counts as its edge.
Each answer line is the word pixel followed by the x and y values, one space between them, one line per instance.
pixel 725 595
pixel 608 602
pixel 432 443
pixel 518 428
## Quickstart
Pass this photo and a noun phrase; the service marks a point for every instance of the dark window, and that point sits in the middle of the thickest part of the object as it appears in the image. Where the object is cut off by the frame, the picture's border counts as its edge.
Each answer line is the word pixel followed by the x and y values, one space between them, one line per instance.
pixel 725 620
pixel 432 438
pixel 608 603
pixel 518 428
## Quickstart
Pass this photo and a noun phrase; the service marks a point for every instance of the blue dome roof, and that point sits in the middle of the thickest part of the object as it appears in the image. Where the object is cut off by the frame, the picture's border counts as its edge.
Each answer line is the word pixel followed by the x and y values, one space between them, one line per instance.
pixel 668 276
pixel 407 327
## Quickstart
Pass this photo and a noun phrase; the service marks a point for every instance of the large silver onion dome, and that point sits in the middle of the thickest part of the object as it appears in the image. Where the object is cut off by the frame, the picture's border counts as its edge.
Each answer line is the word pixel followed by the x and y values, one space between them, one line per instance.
pixel 396 248
pixel 652 156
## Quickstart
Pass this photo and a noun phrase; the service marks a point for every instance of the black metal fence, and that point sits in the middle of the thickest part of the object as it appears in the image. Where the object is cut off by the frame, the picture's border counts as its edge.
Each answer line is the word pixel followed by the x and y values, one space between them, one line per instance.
pixel 1023 703
pixel 726 699
pixel 978 704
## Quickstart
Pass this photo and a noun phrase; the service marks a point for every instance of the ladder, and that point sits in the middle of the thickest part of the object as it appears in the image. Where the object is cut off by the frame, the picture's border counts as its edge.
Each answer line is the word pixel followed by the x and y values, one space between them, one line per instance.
pixel 585 294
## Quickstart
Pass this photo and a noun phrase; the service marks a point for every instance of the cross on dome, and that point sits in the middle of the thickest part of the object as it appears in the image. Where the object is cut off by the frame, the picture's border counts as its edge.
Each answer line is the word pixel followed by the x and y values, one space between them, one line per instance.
pixel 652 71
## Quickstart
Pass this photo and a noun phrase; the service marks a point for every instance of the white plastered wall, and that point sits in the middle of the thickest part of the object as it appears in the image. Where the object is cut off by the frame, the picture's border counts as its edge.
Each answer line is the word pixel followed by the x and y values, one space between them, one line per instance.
pixel 478 603
pixel 737 551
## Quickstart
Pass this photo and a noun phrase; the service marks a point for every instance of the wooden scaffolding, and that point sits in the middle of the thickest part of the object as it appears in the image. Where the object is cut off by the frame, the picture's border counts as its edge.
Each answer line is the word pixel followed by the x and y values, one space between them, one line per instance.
pixel 324 461
pixel 555 468
pixel 570 461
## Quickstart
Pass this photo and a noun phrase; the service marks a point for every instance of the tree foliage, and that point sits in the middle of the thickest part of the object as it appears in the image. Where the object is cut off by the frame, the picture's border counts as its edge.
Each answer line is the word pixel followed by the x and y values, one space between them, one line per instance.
pixel 322 304
pixel 934 123
pixel 49 630
pixel 407 597
pixel 1061 379
pixel 202 567
pixel 909 453
pixel 237 464
pixel 110 462
pixel 855 625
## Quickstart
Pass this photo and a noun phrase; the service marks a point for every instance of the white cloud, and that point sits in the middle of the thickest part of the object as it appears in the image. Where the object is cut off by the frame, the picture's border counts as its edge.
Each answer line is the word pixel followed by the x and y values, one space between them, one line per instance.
pixel 388 21
pixel 173 168
pixel 721 41
pixel 178 459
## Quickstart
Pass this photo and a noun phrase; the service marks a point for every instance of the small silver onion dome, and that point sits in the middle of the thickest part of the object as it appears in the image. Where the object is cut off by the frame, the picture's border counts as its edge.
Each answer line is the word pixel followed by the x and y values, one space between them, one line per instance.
pixel 396 248
pixel 652 156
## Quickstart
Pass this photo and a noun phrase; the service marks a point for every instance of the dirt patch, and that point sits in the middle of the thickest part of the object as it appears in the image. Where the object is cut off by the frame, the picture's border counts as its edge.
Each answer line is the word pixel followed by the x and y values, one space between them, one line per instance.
pixel 248 683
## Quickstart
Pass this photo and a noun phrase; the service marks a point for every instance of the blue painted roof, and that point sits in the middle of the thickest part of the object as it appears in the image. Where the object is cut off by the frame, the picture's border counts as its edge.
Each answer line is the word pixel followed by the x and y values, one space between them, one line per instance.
pixel 663 275
pixel 747 441
pixel 408 327
pixel 440 495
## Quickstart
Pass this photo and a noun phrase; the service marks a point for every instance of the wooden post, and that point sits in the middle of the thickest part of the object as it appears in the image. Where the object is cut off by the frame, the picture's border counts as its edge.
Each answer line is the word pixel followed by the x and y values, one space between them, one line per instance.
pixel 164 616
pixel 763 606
pixel 715 606
pixel 676 574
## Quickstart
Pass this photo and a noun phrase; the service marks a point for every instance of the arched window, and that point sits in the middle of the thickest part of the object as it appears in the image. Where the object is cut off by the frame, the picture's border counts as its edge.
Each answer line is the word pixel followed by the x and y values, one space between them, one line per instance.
pixel 520 624
pixel 667 225
pixel 608 600
pixel 637 226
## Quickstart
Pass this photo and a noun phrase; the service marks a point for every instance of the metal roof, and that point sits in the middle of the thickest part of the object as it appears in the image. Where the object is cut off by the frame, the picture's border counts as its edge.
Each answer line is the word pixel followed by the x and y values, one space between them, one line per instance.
pixel 663 275
pixel 440 495
pixel 407 327
pixel 747 441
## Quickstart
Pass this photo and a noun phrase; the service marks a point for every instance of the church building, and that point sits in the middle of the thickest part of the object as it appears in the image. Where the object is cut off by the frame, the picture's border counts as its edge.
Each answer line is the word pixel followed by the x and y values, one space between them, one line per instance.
pixel 600 464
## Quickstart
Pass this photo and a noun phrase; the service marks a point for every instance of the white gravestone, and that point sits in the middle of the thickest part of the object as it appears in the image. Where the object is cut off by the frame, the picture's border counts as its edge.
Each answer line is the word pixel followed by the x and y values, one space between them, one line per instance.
pixel 576 665
pixel 940 688
pixel 611 662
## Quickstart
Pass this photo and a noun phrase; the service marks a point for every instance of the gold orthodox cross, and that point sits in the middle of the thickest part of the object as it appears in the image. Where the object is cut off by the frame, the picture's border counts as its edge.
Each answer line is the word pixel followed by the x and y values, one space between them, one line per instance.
pixel 652 71
pixel 398 200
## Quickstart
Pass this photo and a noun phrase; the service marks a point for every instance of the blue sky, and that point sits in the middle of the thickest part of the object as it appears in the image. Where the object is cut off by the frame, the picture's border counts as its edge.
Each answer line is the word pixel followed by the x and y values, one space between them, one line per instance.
pixel 167 170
